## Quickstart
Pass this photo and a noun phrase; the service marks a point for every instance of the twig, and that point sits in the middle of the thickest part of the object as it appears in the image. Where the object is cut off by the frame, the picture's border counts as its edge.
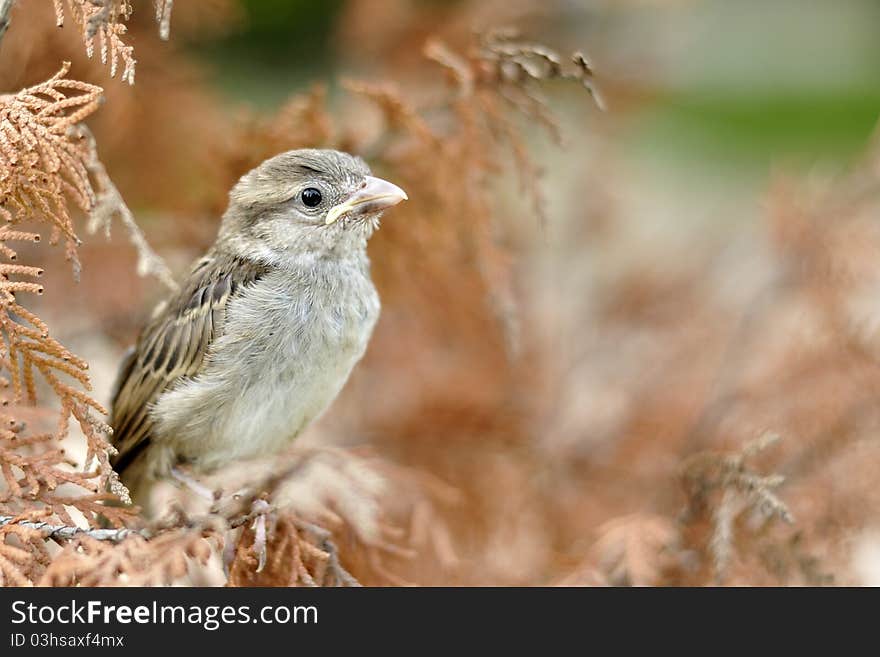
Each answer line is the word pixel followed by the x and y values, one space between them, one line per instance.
pixel 741 489
pixel 5 8
pixel 67 532
pixel 327 544
pixel 721 541
pixel 163 18
pixel 109 204
pixel 260 509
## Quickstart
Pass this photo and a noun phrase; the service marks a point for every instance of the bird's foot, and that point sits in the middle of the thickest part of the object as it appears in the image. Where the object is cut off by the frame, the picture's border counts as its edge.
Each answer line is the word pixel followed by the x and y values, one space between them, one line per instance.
pixel 260 508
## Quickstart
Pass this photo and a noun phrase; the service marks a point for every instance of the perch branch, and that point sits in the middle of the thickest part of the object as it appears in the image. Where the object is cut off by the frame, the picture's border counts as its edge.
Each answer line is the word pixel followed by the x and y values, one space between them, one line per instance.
pixel 67 532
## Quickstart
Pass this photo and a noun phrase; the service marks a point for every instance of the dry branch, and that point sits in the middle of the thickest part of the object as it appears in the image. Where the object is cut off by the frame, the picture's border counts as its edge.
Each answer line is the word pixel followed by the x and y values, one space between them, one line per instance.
pixel 5 9
pixel 102 23
pixel 67 532
pixel 723 485
pixel 44 175
pixel 109 203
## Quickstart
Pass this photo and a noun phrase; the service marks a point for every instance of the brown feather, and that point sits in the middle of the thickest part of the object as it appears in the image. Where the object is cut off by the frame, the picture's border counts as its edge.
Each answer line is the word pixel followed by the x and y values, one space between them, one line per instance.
pixel 173 347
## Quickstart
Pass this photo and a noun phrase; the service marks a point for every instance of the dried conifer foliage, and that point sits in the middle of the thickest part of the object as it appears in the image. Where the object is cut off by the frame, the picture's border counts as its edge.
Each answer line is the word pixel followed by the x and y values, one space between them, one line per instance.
pixel 268 533
pixel 44 156
pixel 610 440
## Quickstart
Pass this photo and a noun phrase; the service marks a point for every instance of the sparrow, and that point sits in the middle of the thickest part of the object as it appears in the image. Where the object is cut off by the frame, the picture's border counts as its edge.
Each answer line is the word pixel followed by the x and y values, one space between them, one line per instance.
pixel 264 332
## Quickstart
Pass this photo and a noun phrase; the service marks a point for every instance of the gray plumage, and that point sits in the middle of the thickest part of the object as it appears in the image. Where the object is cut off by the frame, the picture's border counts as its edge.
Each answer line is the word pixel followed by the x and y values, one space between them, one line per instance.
pixel 266 329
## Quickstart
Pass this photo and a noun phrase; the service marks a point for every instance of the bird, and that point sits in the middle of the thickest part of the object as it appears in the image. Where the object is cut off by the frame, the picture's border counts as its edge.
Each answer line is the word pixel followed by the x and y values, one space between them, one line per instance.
pixel 263 333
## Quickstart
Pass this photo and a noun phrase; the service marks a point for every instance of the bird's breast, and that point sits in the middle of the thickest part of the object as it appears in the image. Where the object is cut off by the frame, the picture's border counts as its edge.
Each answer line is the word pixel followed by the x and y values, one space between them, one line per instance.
pixel 288 346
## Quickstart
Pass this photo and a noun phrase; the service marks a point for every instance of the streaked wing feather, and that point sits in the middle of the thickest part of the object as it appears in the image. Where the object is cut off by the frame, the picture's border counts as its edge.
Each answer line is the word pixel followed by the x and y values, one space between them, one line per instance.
pixel 172 347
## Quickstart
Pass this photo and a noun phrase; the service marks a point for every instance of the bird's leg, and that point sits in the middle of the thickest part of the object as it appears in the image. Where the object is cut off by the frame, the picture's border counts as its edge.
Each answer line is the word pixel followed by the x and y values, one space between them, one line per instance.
pixel 192 485
pixel 260 508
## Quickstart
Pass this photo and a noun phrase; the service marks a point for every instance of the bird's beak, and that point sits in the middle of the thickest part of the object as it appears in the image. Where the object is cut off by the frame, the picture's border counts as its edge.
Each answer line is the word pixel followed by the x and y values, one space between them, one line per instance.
pixel 376 194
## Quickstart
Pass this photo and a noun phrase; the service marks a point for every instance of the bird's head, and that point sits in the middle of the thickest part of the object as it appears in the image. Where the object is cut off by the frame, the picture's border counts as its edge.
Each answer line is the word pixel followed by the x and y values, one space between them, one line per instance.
pixel 306 203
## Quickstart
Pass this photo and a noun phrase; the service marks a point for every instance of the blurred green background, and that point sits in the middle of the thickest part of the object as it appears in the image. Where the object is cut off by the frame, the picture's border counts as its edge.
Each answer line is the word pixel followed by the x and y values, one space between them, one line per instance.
pixel 281 45
pixel 752 83
pixel 734 85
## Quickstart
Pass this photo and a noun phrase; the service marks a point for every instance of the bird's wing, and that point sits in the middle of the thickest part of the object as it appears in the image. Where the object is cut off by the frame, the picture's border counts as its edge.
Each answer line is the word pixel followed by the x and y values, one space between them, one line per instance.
pixel 173 347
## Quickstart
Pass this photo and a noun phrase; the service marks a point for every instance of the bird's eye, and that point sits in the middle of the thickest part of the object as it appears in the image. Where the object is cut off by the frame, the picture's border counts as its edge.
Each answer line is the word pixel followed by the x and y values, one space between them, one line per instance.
pixel 311 197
